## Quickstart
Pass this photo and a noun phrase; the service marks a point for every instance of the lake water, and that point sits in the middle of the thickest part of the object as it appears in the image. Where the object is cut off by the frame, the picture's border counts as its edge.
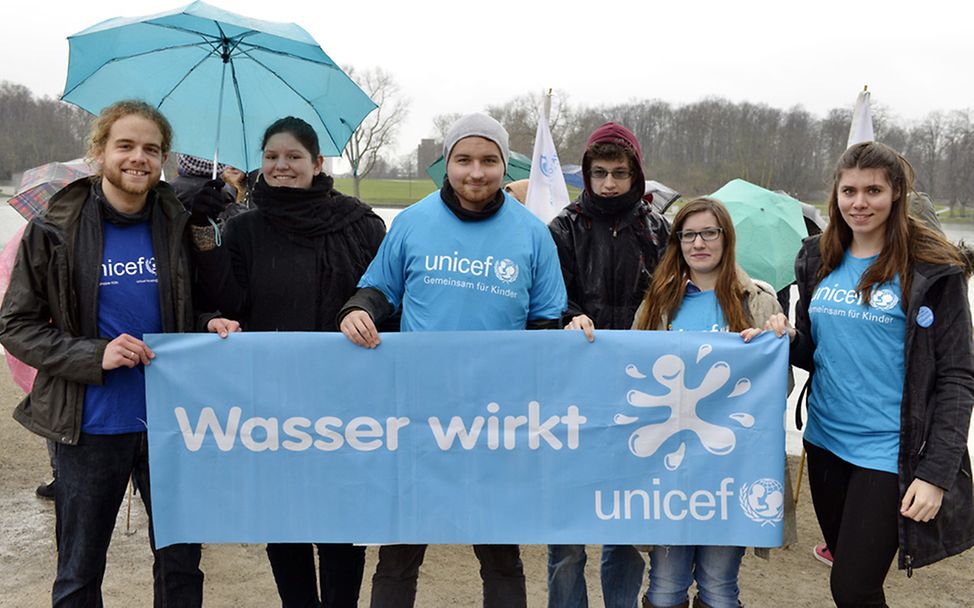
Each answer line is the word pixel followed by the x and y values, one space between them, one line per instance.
pixel 10 222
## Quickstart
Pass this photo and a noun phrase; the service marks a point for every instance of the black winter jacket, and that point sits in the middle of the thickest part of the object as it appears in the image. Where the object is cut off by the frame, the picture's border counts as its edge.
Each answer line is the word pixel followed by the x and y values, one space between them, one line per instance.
pixel 935 413
pixel 45 323
pixel 608 263
pixel 270 282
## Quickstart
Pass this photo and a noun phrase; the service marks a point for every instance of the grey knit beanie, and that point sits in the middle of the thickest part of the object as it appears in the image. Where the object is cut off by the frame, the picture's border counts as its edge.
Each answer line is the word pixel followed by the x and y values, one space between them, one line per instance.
pixel 477 125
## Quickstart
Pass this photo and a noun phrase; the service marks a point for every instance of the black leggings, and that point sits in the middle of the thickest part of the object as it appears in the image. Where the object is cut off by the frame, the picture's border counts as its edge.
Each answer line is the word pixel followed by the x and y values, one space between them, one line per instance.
pixel 857 510
pixel 341 567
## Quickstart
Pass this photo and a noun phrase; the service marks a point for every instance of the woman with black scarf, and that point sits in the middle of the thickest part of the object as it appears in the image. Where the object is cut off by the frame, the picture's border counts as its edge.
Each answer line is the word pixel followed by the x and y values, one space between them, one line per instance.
pixel 289 265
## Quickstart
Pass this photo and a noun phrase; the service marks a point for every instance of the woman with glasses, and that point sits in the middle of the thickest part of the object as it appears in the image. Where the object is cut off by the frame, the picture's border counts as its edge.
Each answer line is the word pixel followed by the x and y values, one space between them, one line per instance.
pixel 883 325
pixel 699 287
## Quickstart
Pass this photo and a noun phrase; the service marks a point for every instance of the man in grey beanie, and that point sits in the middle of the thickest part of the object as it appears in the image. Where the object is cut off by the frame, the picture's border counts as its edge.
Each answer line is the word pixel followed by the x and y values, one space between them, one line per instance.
pixel 511 280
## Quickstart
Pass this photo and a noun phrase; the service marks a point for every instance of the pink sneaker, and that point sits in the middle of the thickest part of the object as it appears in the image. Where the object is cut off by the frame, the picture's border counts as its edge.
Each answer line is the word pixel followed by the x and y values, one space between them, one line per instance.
pixel 822 554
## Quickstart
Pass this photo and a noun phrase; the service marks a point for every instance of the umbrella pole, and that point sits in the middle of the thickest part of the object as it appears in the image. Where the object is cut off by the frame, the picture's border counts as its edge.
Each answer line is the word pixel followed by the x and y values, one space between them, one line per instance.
pixel 219 116
pixel 801 471
pixel 128 510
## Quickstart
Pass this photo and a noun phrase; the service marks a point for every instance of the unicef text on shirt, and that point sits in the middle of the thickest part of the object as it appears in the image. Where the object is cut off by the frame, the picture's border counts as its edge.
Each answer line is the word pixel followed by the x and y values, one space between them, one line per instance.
pixel 460 265
pixel 839 296
pixel 134 268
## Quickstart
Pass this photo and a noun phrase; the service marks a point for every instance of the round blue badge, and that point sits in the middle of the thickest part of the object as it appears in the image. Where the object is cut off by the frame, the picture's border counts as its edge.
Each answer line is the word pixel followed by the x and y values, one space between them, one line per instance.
pixel 924 317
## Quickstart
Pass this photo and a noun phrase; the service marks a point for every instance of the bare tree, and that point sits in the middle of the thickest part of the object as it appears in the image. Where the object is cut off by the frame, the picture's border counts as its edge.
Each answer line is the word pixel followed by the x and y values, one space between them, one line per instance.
pixel 443 122
pixel 34 130
pixel 520 117
pixel 380 128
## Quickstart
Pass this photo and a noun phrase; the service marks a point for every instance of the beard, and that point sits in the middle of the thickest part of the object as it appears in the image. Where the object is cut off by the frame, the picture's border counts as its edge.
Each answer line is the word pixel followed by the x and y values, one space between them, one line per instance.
pixel 116 178
pixel 475 197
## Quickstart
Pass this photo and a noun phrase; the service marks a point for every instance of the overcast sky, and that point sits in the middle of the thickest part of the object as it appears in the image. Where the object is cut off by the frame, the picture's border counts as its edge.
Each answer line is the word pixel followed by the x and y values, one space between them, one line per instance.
pixel 460 56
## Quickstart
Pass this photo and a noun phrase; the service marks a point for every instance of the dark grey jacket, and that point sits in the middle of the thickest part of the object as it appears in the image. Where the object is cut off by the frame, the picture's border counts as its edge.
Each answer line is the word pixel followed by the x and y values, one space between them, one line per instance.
pixel 43 320
pixel 608 263
pixel 935 413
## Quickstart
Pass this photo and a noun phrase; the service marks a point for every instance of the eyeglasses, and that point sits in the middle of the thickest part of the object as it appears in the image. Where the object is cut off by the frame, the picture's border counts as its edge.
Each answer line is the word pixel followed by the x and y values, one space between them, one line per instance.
pixel 617 174
pixel 707 234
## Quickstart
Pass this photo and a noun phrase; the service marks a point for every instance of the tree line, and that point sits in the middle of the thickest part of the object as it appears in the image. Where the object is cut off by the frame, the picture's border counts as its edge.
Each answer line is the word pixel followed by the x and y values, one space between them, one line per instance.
pixel 698 147
pixel 695 147
pixel 37 130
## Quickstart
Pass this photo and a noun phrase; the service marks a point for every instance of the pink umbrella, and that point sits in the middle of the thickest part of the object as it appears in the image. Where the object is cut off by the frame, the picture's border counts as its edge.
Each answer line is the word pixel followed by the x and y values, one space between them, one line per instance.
pixel 22 373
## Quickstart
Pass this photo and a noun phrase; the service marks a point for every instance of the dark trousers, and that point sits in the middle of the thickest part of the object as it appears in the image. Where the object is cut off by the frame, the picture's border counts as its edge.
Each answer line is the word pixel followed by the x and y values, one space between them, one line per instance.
pixel 92 478
pixel 858 511
pixel 394 583
pixel 341 568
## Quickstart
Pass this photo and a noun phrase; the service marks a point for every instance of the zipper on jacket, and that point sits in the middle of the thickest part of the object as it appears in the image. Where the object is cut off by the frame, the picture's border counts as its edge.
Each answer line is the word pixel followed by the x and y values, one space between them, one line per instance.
pixel 612 289
pixel 909 565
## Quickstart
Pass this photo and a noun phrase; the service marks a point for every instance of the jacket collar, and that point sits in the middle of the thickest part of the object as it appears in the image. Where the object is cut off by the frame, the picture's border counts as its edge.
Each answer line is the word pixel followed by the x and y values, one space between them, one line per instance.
pixel 64 208
pixel 640 209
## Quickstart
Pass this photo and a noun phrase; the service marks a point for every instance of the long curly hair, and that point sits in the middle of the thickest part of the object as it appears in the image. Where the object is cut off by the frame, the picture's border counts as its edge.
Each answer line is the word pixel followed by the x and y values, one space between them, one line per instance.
pixel 665 293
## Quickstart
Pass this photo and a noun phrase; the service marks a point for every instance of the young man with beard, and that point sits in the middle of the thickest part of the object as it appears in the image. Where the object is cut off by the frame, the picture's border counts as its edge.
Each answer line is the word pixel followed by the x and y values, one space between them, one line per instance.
pixel 609 242
pixel 470 218
pixel 104 265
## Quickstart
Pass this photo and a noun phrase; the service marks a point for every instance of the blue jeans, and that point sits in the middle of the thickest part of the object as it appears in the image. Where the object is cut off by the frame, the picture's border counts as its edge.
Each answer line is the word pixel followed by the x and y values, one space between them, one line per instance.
pixel 621 570
pixel 92 478
pixel 672 569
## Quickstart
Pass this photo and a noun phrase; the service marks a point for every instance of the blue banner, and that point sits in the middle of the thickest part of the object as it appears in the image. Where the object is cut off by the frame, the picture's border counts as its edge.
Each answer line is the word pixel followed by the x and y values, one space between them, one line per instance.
pixel 468 437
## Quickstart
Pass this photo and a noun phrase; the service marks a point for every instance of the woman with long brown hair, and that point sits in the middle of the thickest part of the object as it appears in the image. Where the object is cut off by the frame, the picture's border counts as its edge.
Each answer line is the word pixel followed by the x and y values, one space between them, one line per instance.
pixel 883 325
pixel 699 287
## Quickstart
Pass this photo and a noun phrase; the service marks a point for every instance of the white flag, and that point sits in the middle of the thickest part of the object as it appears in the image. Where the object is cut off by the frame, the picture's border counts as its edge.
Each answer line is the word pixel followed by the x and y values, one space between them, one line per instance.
pixel 862 121
pixel 547 192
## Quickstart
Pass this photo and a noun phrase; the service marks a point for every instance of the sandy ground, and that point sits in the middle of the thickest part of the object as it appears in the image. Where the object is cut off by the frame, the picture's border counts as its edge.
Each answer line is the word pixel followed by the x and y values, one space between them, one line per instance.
pixel 239 575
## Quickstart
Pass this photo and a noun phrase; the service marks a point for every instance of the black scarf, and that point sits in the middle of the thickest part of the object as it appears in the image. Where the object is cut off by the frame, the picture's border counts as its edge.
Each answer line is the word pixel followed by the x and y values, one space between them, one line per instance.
pixel 613 206
pixel 453 204
pixel 89 250
pixel 305 215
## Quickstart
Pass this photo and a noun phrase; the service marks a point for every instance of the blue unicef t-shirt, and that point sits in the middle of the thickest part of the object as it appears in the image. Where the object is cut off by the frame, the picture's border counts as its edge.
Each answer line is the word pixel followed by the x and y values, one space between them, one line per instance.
pixel 699 311
pixel 128 302
pixel 857 387
pixel 449 274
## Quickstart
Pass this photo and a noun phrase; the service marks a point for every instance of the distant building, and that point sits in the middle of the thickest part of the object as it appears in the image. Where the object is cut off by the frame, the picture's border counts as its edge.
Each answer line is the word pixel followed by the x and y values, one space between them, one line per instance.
pixel 426 154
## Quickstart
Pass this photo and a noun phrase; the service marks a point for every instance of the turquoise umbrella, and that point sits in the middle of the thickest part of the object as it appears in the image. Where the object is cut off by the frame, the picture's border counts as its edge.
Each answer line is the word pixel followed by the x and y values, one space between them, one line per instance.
pixel 770 228
pixel 518 167
pixel 220 78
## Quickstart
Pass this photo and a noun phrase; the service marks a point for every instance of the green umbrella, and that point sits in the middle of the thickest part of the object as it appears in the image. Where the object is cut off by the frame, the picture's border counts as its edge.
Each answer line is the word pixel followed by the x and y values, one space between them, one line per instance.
pixel 518 167
pixel 769 227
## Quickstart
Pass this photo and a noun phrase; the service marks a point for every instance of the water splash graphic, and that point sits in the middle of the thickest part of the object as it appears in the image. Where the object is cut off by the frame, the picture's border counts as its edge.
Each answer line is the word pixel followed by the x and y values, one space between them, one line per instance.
pixel 682 402
pixel 743 385
pixel 745 420
pixel 703 351
pixel 633 372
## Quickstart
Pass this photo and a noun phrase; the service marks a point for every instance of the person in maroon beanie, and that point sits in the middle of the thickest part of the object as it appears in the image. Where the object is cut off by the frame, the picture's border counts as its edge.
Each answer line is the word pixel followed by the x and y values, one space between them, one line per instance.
pixel 609 242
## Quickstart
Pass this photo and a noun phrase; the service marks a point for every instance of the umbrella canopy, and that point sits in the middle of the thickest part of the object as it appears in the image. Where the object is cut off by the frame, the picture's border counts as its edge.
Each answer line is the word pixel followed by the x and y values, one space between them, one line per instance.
pixel 39 184
pixel 518 167
pixel 770 228
pixel 220 78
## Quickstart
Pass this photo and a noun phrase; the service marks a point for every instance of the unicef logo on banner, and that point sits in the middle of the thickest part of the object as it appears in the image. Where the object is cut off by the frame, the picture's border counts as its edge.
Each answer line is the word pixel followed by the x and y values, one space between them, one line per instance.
pixel 763 501
pixel 884 299
pixel 683 401
pixel 506 271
